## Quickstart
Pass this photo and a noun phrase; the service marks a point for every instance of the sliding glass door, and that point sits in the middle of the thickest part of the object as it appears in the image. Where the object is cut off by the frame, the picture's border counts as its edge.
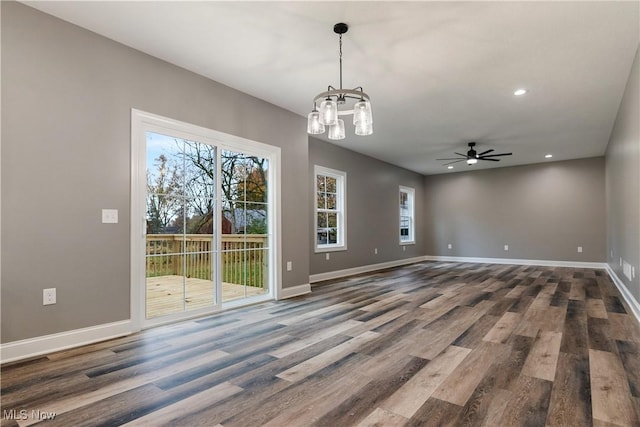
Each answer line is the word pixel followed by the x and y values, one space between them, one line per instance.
pixel 208 230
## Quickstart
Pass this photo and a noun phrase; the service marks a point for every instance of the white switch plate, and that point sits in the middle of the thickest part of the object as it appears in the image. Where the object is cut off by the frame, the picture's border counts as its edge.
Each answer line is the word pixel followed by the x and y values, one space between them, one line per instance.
pixel 49 296
pixel 289 266
pixel 375 251
pixel 506 247
pixel 579 249
pixel 449 246
pixel 626 269
pixel 327 256
pixel 404 248
pixel 109 216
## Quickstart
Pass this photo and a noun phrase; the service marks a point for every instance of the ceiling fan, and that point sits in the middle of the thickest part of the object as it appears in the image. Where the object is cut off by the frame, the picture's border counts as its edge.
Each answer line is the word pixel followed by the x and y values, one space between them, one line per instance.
pixel 472 156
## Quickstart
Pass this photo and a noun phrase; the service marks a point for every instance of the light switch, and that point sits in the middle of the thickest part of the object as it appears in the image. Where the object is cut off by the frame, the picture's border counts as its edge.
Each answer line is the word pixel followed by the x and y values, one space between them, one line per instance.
pixel 109 216
pixel 289 266
pixel 579 249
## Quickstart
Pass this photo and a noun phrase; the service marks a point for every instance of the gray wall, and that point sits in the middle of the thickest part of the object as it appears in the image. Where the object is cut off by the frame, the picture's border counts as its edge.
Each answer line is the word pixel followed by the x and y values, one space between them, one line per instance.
pixel 542 211
pixel 372 209
pixel 67 96
pixel 623 184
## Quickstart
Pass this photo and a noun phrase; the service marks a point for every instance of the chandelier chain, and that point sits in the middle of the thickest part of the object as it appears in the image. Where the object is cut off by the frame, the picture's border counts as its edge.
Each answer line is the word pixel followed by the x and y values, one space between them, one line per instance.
pixel 340 61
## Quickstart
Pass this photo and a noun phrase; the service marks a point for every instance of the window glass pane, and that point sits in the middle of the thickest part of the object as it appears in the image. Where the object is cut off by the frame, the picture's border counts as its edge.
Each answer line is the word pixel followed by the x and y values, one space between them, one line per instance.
pixel 321 201
pixel 332 220
pixel 333 235
pixel 403 199
pixel 331 201
pixel 256 272
pixel 257 221
pixel 320 183
pixel 198 217
pixel 165 167
pixel 199 170
pixel 199 290
pixel 331 185
pixel 164 214
pixel 322 220
pixel 322 236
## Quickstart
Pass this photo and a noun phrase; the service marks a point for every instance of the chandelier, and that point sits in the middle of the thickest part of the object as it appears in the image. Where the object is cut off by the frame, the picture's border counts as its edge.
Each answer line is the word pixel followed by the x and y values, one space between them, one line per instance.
pixel 328 106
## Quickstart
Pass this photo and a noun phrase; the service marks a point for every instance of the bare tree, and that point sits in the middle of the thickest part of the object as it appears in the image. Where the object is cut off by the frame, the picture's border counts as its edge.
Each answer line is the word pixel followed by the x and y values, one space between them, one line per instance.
pixel 162 204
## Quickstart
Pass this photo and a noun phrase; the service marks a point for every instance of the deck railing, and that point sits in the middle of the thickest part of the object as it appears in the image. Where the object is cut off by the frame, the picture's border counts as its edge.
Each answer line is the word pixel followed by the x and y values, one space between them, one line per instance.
pixel 244 257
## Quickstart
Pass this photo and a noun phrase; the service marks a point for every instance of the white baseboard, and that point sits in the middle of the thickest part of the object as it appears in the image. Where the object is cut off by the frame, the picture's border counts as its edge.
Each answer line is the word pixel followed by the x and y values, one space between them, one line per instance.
pixel 295 291
pixel 46 344
pixel 631 301
pixel 543 263
pixel 363 269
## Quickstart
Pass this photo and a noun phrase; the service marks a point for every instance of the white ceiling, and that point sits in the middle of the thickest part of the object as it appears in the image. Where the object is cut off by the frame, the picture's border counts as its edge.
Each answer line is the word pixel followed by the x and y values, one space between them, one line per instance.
pixel 440 74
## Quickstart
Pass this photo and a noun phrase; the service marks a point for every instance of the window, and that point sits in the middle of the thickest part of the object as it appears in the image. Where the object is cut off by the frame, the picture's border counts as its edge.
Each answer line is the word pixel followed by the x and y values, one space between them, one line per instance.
pixel 330 210
pixel 406 215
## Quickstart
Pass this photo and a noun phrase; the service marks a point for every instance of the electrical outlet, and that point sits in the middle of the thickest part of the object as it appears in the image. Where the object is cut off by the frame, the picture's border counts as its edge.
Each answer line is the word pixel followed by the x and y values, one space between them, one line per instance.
pixel 449 246
pixel 375 251
pixel 327 256
pixel 579 249
pixel 506 247
pixel 633 272
pixel 49 296
pixel 289 266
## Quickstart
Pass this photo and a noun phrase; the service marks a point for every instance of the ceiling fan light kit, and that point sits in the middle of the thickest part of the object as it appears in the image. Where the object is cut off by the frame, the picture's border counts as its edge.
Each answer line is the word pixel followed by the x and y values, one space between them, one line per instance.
pixel 472 156
pixel 327 106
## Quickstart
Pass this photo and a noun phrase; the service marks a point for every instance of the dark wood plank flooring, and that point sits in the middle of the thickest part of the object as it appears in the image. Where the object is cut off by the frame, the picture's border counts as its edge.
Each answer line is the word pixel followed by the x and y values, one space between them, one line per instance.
pixel 426 344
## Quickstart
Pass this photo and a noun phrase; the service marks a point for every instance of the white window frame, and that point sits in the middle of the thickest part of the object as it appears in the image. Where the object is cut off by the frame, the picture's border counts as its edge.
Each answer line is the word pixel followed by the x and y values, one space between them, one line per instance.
pixel 341 209
pixel 411 199
pixel 141 122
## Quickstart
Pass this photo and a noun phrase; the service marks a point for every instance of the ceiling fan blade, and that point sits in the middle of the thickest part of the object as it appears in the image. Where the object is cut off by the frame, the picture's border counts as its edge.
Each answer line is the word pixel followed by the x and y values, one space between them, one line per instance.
pixel 496 155
pixel 490 160
pixel 460 154
pixel 452 158
pixel 485 152
pixel 456 161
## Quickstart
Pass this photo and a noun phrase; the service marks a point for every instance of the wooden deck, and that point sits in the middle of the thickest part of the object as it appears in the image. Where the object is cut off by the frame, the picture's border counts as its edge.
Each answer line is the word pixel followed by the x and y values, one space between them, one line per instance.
pixel 165 294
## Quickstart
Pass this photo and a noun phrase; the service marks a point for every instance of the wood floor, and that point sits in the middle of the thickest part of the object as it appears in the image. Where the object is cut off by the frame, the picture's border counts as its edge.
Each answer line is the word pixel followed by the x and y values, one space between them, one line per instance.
pixel 423 345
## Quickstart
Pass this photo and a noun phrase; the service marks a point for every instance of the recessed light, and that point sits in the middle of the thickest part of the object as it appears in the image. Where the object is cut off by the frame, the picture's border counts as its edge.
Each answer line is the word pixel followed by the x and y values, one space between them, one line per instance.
pixel 548 156
pixel 449 167
pixel 519 92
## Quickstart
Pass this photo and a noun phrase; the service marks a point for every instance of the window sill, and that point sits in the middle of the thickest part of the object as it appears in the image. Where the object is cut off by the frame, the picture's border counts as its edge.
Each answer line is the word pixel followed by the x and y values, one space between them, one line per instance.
pixel 319 250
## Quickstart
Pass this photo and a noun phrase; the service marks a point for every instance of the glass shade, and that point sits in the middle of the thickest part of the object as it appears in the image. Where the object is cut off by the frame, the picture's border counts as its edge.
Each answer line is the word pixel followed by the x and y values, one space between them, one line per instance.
pixel 337 131
pixel 314 127
pixel 328 112
pixel 472 161
pixel 362 112
pixel 364 128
